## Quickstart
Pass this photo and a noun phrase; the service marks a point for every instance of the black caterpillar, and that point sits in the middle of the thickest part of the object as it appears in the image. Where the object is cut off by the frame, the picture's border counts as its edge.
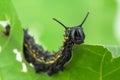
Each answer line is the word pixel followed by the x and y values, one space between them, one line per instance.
pixel 44 61
pixel 7 30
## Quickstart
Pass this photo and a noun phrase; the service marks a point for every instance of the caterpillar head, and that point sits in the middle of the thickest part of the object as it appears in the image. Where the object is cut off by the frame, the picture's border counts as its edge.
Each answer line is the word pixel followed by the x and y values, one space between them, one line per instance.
pixel 76 34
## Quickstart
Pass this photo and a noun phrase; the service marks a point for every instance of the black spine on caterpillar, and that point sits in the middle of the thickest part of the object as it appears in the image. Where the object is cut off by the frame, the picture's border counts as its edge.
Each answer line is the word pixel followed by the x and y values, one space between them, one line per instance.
pixel 43 61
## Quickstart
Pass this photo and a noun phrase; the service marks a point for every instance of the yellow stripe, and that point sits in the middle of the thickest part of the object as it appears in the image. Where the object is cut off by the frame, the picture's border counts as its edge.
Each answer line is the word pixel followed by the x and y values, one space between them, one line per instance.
pixel 51 61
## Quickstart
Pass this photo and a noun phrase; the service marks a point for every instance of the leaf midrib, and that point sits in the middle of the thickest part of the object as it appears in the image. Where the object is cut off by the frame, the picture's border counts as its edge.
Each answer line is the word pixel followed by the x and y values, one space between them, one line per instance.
pixel 101 65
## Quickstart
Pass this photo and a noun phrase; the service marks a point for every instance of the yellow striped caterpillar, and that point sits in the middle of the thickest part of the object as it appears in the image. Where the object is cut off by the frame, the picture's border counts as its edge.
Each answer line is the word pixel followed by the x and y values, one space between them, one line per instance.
pixel 44 61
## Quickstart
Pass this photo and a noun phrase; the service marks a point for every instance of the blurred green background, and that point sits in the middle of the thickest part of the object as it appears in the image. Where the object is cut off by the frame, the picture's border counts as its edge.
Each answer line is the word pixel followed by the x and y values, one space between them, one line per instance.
pixel 36 15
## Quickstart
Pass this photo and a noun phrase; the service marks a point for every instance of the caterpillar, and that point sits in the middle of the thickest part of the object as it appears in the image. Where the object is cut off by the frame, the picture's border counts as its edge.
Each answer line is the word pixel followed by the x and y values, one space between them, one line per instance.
pixel 44 61
pixel 6 26
pixel 7 30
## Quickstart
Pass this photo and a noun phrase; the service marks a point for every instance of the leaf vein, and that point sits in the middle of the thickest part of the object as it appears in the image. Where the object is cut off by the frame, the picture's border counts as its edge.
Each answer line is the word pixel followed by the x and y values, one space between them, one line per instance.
pixel 92 51
pixel 111 72
pixel 101 65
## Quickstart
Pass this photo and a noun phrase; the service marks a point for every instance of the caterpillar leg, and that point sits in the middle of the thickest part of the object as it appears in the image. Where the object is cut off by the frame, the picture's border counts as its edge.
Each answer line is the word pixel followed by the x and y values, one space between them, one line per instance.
pixel 54 69
pixel 62 68
pixel 50 72
pixel 28 56
pixel 37 68
pixel 40 67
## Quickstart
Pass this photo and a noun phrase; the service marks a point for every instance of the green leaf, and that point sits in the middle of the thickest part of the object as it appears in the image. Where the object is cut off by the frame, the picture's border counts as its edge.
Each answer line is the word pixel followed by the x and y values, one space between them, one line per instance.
pixel 88 63
pixel 95 63
pixel 8 43
pixel 114 50
pixel 16 34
